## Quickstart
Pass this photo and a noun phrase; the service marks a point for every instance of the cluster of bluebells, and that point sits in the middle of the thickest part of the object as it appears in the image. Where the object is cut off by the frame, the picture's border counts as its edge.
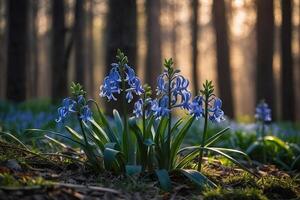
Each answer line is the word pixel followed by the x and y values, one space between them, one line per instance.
pixel 75 105
pixel 180 98
pixel 112 83
pixel 263 112
pixel 215 113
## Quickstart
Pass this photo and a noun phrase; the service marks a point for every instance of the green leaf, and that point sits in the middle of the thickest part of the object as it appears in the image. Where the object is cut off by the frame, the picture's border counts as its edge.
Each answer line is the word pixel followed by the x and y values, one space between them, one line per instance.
pixel 74 133
pixel 179 138
pixel 114 160
pixel 278 142
pixel 58 134
pixel 187 158
pixel 108 133
pixel 118 121
pixel 15 139
pixel 231 159
pixel 164 179
pixel 234 151
pixel 253 147
pixel 215 137
pixel 133 169
pixel 198 178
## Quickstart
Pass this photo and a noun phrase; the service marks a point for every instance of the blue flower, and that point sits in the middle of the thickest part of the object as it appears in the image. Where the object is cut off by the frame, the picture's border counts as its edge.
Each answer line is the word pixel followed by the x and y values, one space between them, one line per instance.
pixel 160 107
pixel 138 108
pixel 196 107
pixel 109 88
pixel 112 83
pixel 86 114
pixel 129 96
pixel 263 112
pixel 216 114
pixel 70 106
pixel 180 95
pixel 62 114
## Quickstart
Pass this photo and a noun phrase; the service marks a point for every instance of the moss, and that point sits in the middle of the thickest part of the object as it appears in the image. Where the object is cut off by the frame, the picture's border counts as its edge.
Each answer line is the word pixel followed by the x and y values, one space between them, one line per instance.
pixel 234 194
pixel 278 188
pixel 240 180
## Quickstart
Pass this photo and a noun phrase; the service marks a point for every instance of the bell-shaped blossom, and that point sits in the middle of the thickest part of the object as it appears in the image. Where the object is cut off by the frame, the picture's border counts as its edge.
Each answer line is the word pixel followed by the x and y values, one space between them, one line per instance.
pixel 159 107
pixel 196 107
pixel 112 83
pixel 86 114
pixel 216 113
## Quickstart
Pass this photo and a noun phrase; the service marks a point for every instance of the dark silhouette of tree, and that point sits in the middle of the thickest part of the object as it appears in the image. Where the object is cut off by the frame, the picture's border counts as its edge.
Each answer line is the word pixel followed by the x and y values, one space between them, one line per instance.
pixel 121 33
pixel 265 48
pixel 16 49
pixel 89 38
pixel 223 55
pixel 195 33
pixel 3 45
pixel 153 32
pixel 79 41
pixel 33 53
pixel 58 51
pixel 287 80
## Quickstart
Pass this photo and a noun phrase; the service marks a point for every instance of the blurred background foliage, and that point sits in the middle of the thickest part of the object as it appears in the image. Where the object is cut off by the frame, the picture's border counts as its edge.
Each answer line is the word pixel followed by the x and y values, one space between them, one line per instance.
pixel 249 48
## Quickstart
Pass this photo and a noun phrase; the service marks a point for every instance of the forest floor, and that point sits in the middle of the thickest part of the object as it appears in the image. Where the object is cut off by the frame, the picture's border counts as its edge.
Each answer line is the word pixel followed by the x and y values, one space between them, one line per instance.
pixel 24 175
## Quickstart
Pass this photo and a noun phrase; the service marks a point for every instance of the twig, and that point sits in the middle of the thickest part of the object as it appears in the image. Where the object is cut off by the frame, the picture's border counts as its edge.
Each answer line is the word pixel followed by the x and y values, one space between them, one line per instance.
pixel 96 188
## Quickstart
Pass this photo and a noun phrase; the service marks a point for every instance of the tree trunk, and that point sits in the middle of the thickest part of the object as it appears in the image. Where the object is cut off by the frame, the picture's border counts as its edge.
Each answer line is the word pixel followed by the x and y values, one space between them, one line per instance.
pixel 3 45
pixel 153 32
pixel 195 32
pixel 89 76
pixel 287 79
pixel 265 48
pixel 78 41
pixel 223 55
pixel 33 53
pixel 59 68
pixel 16 50
pixel 121 33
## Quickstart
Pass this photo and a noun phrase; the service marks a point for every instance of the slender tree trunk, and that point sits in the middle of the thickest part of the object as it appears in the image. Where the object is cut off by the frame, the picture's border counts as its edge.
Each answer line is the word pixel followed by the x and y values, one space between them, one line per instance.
pixel 33 53
pixel 195 33
pixel 265 48
pixel 173 10
pixel 223 55
pixel 58 54
pixel 78 41
pixel 287 79
pixel 2 50
pixel 89 76
pixel 121 33
pixel 153 32
pixel 16 50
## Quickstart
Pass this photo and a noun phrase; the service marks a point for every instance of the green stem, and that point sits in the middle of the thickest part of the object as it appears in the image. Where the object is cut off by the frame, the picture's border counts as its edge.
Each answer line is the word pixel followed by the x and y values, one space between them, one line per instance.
pixel 83 133
pixel 169 126
pixel 125 118
pixel 204 133
pixel 144 163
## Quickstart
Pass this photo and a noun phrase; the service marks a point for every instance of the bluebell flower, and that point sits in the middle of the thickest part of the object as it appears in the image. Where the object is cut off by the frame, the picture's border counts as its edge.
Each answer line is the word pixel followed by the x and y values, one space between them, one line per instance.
pixel 263 112
pixel 62 114
pixel 216 114
pixel 86 114
pixel 160 107
pixel 112 83
pixel 70 106
pixel 129 96
pixel 138 108
pixel 196 107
